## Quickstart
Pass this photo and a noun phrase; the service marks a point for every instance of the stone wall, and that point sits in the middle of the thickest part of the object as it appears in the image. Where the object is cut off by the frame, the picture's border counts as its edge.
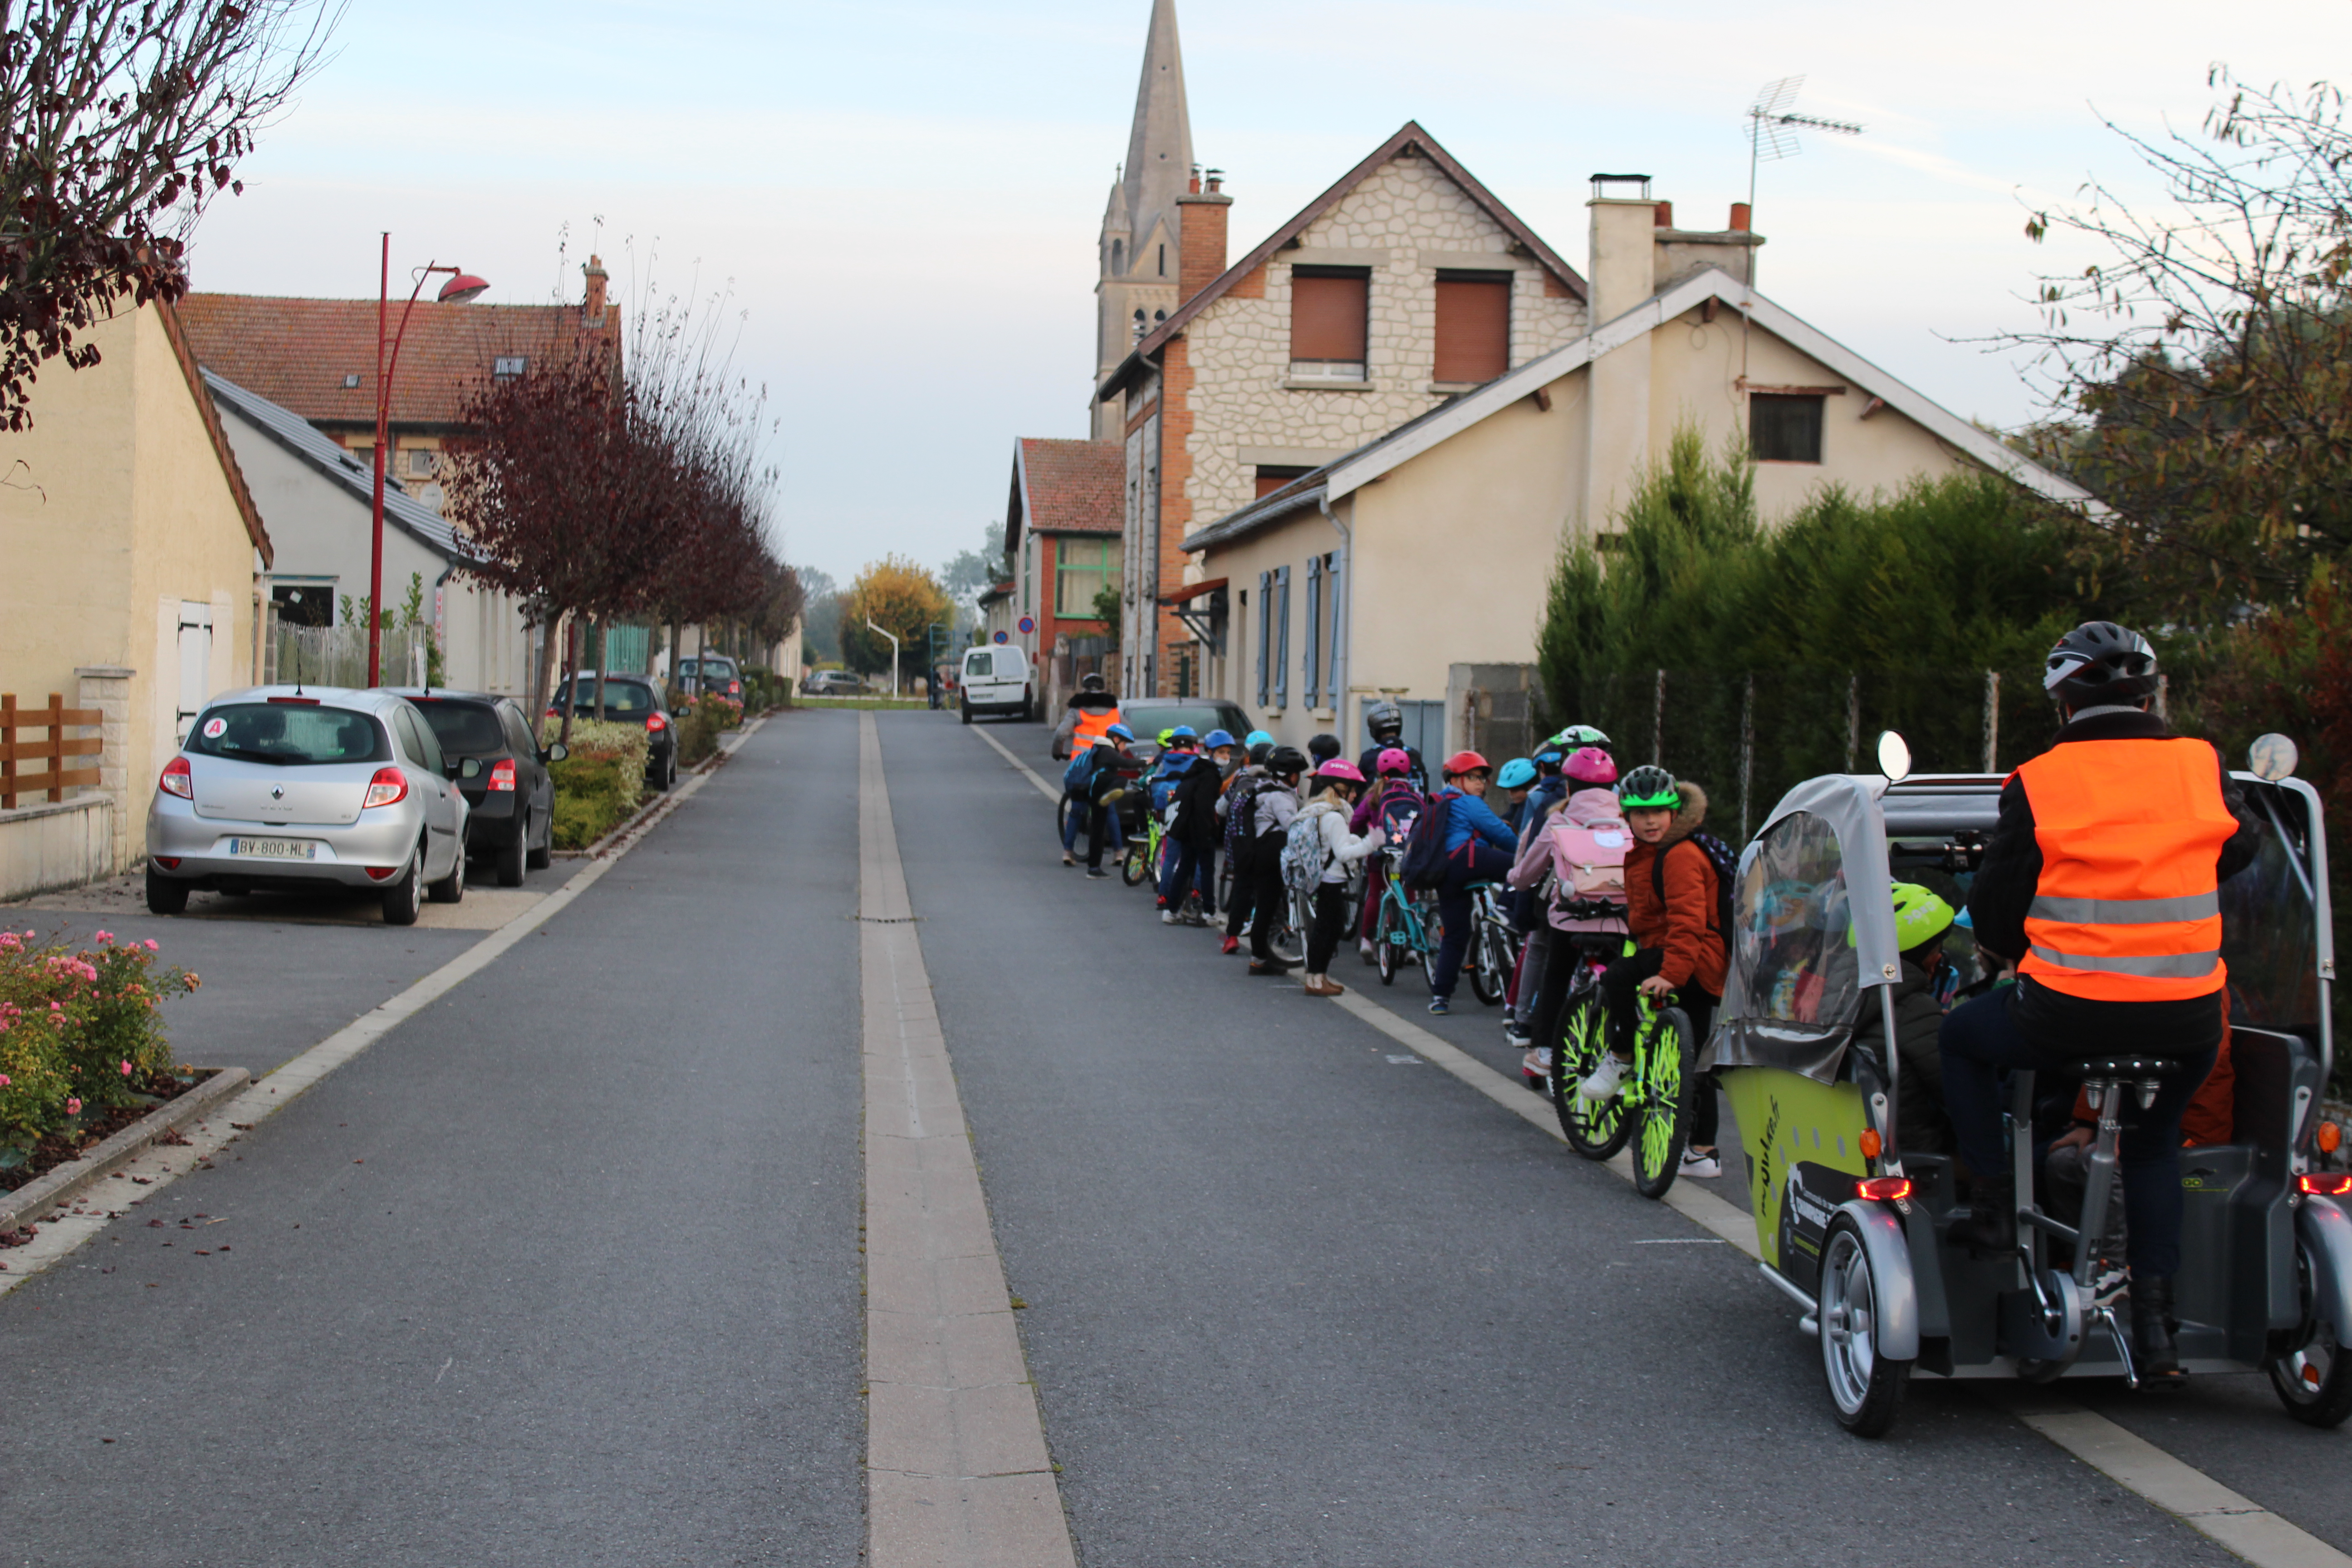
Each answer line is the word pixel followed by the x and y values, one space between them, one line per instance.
pixel 1406 222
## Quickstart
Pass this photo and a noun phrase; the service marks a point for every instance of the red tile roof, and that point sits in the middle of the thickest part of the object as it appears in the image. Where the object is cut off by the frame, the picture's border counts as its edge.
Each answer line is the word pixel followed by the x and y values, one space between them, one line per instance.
pixel 1065 486
pixel 297 353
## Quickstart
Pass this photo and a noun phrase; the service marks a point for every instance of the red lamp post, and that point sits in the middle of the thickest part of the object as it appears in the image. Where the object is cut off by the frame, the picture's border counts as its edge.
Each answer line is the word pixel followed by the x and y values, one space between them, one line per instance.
pixel 462 287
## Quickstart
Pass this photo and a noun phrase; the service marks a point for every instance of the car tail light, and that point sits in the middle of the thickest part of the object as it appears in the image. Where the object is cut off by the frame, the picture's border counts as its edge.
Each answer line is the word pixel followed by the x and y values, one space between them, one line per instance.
pixel 655 723
pixel 734 689
pixel 553 711
pixel 389 787
pixel 502 774
pixel 169 862
pixel 176 779
pixel 1885 1189
pixel 2326 1183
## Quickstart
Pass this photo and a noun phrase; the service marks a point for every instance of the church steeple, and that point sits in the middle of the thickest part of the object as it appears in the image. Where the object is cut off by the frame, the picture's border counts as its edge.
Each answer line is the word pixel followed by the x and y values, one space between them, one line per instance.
pixel 1139 244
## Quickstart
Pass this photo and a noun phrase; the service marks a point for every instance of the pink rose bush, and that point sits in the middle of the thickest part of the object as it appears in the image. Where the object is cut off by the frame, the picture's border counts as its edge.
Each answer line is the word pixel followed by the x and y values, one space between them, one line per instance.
pixel 81 1032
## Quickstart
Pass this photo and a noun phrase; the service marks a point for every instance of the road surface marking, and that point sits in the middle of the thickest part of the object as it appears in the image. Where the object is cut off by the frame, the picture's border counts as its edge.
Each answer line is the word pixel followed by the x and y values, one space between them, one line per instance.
pixel 160 1165
pixel 2236 1522
pixel 1051 792
pixel 957 1471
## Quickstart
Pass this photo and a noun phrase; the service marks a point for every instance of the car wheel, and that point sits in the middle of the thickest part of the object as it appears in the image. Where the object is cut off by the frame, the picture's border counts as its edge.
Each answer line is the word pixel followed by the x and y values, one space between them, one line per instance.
pixel 540 859
pixel 165 896
pixel 965 708
pixel 405 900
pixel 451 889
pixel 511 855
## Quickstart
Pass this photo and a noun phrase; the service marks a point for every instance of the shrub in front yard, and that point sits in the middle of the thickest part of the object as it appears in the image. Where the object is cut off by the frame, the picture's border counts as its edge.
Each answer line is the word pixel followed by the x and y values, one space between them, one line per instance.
pixel 697 733
pixel 600 783
pixel 81 1035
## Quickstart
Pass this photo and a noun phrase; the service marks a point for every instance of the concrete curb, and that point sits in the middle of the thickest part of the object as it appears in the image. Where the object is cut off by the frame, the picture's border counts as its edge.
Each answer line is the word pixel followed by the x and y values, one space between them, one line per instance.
pixel 28 1203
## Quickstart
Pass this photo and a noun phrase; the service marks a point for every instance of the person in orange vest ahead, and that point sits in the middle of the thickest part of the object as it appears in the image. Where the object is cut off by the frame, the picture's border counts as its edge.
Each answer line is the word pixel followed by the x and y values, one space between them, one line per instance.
pixel 2101 884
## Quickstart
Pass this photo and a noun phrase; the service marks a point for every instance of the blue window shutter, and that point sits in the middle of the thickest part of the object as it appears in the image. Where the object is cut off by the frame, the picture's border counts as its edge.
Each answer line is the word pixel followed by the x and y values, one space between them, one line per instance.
pixel 1265 630
pixel 1282 636
pixel 1310 645
pixel 1331 664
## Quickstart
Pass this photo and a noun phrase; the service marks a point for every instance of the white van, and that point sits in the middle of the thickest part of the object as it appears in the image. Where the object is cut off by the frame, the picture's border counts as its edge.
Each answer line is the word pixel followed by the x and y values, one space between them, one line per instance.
pixel 996 680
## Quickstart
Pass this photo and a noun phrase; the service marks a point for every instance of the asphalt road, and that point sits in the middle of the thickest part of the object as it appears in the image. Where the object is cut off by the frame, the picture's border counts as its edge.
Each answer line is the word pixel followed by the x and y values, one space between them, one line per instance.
pixel 567 1269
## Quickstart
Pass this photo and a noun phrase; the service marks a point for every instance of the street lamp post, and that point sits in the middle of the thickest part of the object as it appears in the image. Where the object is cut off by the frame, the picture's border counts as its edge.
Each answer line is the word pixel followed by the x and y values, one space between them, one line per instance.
pixel 462 286
pixel 894 657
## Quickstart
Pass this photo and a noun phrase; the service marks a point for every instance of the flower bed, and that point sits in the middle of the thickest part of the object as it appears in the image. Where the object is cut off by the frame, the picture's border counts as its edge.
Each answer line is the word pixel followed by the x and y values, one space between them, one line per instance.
pixel 600 783
pixel 82 1049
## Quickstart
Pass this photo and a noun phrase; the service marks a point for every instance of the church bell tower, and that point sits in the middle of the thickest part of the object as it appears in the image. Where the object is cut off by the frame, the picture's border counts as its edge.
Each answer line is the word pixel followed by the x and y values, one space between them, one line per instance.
pixel 1138 267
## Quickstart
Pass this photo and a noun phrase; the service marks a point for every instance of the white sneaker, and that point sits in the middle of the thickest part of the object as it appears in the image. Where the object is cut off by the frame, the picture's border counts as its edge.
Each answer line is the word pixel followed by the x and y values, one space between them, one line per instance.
pixel 1601 1083
pixel 1697 1164
pixel 1168 917
pixel 1538 1063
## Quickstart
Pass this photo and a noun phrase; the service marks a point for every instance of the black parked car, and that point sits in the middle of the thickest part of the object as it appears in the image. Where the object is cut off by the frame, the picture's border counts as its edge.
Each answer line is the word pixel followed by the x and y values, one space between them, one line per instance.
pixel 712 675
pixel 511 801
pixel 629 698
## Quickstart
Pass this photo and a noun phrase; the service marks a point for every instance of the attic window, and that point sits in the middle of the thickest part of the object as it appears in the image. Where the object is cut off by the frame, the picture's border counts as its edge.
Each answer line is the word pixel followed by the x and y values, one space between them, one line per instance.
pixel 1473 326
pixel 506 367
pixel 1784 427
pixel 351 378
pixel 1329 312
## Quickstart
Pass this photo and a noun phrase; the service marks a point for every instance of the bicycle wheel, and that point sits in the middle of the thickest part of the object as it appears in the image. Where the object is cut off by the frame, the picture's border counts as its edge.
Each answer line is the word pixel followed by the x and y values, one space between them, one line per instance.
pixel 1132 869
pixel 1384 942
pixel 1594 1129
pixel 1665 1062
pixel 1490 973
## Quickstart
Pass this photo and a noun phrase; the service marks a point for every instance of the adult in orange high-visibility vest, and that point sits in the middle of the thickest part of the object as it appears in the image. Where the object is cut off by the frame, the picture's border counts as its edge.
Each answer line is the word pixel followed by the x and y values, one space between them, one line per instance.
pixel 2101 885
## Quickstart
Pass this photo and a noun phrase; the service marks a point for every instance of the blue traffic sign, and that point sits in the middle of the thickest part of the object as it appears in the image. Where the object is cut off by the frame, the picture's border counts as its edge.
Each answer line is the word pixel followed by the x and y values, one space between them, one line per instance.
pixel 1027 625
pixel 1002 638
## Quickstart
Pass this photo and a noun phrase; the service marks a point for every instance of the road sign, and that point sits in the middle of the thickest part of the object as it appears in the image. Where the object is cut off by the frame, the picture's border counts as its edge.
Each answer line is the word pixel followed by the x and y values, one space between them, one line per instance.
pixel 1002 638
pixel 1028 624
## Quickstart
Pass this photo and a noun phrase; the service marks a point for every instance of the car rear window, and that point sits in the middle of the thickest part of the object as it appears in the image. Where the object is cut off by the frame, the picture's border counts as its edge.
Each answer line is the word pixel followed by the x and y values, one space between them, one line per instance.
pixel 1147 722
pixel 464 728
pixel 622 699
pixel 978 664
pixel 289 734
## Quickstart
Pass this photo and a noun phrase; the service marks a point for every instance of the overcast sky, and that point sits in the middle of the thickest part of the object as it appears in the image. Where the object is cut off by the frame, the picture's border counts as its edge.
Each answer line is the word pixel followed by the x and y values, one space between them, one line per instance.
pixel 905 196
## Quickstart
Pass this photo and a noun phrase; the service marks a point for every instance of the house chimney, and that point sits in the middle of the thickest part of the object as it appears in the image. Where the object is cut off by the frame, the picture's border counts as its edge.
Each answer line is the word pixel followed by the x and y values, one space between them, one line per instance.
pixel 1739 216
pixel 1624 229
pixel 1665 215
pixel 591 307
pixel 1200 225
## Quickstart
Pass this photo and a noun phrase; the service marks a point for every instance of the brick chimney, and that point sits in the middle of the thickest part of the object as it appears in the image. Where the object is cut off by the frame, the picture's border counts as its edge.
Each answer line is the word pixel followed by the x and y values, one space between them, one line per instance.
pixel 592 307
pixel 1201 240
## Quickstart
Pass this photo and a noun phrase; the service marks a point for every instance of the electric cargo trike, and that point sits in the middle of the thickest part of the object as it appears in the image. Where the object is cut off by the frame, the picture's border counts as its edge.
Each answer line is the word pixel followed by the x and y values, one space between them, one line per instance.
pixel 1852 1225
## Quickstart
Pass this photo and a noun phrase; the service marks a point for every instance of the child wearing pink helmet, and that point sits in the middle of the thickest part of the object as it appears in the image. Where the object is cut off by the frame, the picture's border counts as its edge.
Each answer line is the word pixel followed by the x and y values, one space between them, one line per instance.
pixel 1325 815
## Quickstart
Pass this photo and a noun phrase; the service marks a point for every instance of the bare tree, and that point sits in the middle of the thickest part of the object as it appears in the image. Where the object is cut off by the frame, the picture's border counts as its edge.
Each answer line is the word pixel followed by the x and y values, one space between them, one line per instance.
pixel 119 121
pixel 2201 372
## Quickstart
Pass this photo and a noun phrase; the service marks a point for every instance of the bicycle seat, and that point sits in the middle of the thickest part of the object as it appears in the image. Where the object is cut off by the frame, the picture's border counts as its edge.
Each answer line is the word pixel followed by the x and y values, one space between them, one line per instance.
pixel 2125 1067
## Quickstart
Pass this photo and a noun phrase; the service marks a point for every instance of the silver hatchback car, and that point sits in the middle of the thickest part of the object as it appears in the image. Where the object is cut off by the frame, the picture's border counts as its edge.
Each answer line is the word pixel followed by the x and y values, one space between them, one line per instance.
pixel 284 788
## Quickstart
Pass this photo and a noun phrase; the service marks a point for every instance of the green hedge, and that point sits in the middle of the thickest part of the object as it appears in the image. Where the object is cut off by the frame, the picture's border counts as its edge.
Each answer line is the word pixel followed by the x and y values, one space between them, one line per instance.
pixel 600 783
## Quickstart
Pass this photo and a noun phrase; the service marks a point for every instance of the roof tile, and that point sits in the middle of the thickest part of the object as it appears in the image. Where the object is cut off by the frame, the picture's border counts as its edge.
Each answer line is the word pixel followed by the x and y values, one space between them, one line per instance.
pixel 1073 487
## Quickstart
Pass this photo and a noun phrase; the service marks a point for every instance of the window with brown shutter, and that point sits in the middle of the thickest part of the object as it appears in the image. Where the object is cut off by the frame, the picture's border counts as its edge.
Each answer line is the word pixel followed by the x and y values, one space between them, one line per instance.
pixel 1473 326
pixel 1272 478
pixel 1329 307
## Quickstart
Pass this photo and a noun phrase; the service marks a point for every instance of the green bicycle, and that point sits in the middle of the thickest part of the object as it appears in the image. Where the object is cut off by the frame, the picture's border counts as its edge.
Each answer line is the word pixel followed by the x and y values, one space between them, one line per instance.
pixel 1142 858
pixel 1651 1108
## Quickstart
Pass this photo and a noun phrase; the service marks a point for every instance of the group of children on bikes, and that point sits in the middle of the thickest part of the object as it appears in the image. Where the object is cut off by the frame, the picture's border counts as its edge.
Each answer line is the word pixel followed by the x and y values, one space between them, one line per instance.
pixel 1583 858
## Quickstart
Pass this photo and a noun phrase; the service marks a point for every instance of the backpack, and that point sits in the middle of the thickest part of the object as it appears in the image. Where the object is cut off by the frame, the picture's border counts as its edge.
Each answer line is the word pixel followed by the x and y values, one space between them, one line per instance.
pixel 1423 864
pixel 1588 865
pixel 1302 855
pixel 1727 870
pixel 1240 804
pixel 1074 777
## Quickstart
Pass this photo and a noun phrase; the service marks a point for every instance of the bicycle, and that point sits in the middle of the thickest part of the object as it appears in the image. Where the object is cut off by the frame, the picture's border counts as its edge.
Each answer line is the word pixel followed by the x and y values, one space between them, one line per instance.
pixel 1403 932
pixel 1142 858
pixel 1651 1108
pixel 1494 946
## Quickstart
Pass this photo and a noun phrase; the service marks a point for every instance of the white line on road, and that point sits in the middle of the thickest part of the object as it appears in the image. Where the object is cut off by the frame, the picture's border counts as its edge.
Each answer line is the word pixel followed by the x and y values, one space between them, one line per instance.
pixel 2236 1522
pixel 957 1471
pixel 1050 791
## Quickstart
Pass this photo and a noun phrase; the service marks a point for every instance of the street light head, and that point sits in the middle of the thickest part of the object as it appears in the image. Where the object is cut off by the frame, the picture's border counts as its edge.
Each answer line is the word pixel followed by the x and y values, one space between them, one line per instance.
pixel 462 289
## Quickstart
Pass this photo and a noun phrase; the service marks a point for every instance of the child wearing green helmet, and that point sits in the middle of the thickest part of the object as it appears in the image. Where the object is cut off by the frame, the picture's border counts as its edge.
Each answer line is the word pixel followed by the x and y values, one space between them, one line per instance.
pixel 1922 919
pixel 1674 908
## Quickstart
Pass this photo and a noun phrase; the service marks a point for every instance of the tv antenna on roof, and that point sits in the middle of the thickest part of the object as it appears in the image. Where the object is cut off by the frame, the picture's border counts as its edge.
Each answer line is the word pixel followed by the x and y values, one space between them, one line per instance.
pixel 1772 127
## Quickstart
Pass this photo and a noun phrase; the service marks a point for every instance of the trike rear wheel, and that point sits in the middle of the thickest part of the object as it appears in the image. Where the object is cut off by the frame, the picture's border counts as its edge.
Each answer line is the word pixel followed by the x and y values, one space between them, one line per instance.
pixel 2315 1381
pixel 1866 1387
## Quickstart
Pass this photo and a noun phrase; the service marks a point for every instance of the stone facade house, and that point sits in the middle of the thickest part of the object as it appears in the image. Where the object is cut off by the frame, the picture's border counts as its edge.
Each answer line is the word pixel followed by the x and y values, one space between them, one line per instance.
pixel 1404 285
pixel 1062 543
pixel 1442 532
pixel 133 552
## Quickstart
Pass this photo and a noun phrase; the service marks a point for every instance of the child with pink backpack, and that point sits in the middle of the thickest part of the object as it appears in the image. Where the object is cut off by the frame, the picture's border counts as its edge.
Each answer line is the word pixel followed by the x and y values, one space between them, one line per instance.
pixel 1576 860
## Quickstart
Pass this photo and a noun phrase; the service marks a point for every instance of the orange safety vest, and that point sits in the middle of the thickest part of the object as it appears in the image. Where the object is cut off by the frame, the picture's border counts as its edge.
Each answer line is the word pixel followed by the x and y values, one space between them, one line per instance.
pixel 1093 722
pixel 2129 908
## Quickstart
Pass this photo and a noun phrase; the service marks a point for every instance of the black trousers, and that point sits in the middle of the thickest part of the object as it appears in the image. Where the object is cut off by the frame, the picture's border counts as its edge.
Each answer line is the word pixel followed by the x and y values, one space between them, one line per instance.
pixel 1330 922
pixel 1244 890
pixel 1618 984
pixel 1269 900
